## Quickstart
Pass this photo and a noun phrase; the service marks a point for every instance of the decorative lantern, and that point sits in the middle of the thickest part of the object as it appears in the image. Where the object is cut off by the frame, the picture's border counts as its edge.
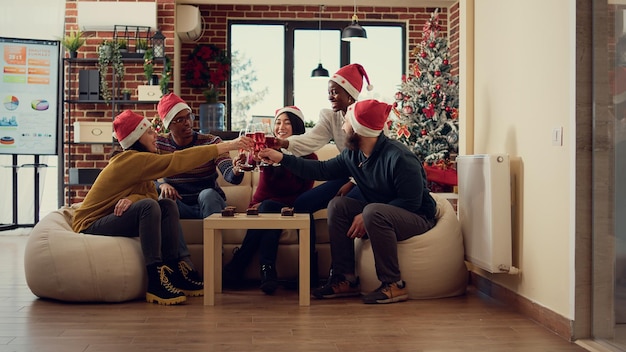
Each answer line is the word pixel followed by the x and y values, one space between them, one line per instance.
pixel 158 44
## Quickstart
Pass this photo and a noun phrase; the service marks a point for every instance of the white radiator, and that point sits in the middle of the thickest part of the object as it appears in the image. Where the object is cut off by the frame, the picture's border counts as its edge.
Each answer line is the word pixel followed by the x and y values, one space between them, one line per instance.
pixel 485 211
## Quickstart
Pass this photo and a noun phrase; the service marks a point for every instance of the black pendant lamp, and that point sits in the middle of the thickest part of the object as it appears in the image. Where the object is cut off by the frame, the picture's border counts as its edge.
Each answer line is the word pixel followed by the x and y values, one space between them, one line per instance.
pixel 320 72
pixel 354 31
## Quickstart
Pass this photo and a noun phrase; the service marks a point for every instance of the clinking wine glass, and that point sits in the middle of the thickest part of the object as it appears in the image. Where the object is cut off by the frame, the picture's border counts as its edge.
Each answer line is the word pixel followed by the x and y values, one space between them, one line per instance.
pixel 248 163
pixel 268 139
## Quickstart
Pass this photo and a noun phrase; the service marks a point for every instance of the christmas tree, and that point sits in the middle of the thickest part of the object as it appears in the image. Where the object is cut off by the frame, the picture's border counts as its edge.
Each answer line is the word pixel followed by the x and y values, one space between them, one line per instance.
pixel 426 107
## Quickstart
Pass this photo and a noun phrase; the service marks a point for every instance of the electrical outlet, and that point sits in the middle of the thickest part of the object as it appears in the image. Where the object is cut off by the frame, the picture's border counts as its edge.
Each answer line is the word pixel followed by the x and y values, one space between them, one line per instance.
pixel 97 148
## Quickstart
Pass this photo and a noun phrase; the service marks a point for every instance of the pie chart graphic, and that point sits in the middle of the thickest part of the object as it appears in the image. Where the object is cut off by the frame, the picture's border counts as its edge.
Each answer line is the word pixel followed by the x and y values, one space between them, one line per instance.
pixel 11 102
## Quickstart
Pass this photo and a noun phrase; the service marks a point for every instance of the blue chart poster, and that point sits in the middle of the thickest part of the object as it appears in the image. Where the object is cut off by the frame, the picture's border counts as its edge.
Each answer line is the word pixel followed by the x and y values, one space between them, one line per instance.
pixel 29 81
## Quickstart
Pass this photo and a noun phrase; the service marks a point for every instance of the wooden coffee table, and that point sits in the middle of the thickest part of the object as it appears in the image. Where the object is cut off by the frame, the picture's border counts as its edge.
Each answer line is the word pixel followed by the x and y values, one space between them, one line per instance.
pixel 213 226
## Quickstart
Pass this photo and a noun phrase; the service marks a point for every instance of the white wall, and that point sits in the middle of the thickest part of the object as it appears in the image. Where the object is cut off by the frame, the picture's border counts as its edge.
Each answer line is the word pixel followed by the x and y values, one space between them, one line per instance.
pixel 32 19
pixel 524 79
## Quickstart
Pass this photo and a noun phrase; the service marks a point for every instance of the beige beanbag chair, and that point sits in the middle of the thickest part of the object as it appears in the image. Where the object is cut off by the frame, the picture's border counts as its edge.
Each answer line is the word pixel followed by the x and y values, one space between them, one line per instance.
pixel 67 266
pixel 432 264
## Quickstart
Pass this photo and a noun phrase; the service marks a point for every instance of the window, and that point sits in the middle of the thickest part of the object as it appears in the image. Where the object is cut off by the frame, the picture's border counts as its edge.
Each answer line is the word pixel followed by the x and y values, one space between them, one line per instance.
pixel 272 64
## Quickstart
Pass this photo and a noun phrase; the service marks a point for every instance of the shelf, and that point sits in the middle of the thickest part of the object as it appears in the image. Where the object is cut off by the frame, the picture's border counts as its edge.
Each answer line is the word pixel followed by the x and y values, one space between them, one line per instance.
pixel 82 177
pixel 95 60
pixel 114 101
pixel 77 106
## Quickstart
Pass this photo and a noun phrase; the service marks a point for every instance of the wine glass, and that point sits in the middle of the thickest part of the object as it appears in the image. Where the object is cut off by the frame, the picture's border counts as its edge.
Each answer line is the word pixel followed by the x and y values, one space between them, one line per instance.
pixel 247 164
pixel 269 140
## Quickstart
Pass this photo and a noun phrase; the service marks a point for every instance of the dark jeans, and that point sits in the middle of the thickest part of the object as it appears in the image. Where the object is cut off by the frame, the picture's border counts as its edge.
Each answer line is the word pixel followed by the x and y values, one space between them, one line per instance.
pixel 318 197
pixel 385 225
pixel 265 241
pixel 154 222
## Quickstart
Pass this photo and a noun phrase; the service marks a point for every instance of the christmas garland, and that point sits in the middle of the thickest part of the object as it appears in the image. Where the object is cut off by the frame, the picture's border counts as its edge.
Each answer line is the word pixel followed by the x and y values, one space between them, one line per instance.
pixel 198 73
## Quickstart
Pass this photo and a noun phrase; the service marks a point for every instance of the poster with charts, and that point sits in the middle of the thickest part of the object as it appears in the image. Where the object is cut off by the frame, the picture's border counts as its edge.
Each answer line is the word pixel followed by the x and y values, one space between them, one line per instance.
pixel 29 86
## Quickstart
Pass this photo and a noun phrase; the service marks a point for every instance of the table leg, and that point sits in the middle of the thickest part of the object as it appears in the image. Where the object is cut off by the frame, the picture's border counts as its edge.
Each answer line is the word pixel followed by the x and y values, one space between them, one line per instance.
pixel 305 267
pixel 212 265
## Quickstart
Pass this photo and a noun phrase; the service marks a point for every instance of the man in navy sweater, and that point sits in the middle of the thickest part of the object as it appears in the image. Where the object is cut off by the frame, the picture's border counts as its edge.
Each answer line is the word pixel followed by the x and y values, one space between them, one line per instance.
pixel 397 203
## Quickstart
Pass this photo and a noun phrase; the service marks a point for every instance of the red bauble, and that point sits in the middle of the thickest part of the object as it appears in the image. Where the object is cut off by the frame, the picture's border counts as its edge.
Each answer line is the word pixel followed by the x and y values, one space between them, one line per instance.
pixel 407 109
pixel 438 86
pixel 448 109
pixel 437 73
pixel 431 44
pixel 423 54
pixel 434 94
pixel 424 132
pixel 445 62
pixel 399 96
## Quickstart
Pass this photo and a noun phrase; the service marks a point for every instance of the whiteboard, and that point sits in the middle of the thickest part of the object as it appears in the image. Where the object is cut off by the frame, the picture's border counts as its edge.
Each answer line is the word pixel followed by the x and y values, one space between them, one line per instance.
pixel 29 96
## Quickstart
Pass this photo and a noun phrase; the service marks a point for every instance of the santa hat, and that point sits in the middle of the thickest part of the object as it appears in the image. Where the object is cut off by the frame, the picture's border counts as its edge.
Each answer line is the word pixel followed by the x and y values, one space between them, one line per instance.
pixel 292 109
pixel 368 117
pixel 128 127
pixel 350 78
pixel 297 124
pixel 170 105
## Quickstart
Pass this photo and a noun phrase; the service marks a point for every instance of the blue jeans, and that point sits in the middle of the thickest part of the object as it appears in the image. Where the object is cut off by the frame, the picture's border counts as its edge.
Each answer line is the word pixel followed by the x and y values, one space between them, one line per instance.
pixel 209 202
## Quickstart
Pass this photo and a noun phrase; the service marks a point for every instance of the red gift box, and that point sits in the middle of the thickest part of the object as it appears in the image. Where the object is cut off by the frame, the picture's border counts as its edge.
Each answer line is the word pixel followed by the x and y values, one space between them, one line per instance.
pixel 447 176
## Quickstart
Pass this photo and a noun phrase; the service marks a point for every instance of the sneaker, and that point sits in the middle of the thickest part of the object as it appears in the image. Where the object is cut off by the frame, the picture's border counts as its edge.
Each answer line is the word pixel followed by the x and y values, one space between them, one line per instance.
pixel 338 286
pixel 387 293
pixel 180 281
pixel 160 289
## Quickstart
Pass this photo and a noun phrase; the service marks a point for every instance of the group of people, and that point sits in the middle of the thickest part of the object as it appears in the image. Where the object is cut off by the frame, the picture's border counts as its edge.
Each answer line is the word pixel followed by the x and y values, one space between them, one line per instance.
pixel 375 188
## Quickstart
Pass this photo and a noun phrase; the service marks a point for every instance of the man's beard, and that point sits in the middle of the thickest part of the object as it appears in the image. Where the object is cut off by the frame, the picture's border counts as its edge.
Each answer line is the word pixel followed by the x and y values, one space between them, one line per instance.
pixel 353 141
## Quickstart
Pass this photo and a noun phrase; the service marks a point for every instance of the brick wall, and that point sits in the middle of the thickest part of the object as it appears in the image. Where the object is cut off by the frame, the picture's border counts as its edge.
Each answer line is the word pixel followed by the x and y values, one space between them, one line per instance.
pixel 216 17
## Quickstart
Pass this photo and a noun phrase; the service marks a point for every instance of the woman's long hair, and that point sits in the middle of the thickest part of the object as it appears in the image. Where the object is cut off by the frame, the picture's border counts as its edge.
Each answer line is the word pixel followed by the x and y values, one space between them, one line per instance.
pixel 136 146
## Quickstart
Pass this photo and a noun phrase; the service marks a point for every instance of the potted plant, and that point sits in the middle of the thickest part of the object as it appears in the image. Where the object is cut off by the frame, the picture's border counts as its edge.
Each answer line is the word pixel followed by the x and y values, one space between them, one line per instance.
pixel 122 44
pixel 126 94
pixel 109 55
pixel 141 46
pixel 72 41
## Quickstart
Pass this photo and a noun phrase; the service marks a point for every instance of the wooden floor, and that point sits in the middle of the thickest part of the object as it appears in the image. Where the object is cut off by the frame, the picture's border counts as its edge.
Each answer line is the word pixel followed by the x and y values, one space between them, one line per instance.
pixel 250 321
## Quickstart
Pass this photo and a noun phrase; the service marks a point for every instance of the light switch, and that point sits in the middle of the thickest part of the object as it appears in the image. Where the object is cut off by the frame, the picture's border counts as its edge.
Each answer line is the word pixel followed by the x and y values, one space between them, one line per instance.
pixel 557 136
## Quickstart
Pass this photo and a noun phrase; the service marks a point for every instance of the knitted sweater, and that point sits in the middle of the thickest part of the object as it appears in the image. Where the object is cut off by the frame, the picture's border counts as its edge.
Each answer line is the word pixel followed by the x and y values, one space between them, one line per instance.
pixel 392 174
pixel 279 184
pixel 327 129
pixel 189 184
pixel 131 175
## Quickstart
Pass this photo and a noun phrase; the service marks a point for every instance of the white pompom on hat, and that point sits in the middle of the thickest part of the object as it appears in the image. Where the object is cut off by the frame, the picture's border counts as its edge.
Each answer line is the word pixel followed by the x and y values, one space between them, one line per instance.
pixel 128 127
pixel 368 117
pixel 292 109
pixel 170 105
pixel 350 78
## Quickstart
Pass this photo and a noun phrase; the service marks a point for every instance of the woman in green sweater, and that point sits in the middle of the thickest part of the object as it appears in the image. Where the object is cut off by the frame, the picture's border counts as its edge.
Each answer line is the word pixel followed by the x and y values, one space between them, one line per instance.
pixel 123 201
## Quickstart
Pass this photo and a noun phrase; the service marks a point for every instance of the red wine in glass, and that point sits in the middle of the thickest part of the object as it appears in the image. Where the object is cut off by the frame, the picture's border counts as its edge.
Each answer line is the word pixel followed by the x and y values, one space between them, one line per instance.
pixel 270 141
pixel 259 141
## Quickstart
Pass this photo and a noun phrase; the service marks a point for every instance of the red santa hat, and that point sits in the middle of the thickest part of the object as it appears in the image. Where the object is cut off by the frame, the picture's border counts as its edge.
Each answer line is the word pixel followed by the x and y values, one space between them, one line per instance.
pixel 128 127
pixel 170 105
pixel 368 117
pixel 350 78
pixel 292 109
